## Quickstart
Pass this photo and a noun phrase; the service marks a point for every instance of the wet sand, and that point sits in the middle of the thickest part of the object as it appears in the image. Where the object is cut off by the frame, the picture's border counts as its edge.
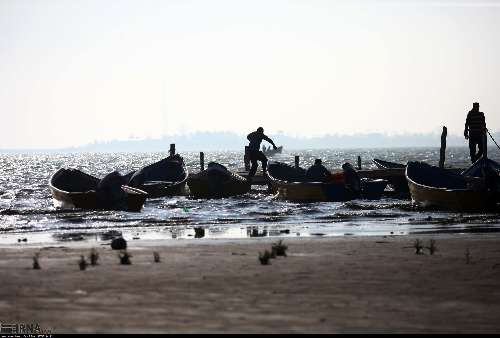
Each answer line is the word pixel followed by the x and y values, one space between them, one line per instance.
pixel 324 285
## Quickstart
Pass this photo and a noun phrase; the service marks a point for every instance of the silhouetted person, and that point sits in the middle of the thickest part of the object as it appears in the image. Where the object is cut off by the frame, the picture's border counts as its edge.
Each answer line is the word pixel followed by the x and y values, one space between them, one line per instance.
pixel 255 139
pixel 317 172
pixel 475 132
pixel 352 180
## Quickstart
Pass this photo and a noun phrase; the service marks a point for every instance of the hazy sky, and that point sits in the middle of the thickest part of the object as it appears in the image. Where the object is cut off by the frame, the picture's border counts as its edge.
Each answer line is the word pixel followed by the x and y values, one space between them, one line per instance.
pixel 76 71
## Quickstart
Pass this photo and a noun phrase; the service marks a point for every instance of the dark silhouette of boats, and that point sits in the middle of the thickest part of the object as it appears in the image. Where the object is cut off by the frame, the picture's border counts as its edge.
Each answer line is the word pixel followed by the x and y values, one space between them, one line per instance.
pixel 217 182
pixel 290 183
pixel 476 189
pixel 167 177
pixel 72 188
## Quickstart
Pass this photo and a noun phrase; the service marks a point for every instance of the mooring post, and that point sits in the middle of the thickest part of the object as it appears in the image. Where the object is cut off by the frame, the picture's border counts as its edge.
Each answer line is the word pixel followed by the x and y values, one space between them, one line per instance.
pixel 202 161
pixel 297 159
pixel 246 158
pixel 359 162
pixel 172 149
pixel 442 151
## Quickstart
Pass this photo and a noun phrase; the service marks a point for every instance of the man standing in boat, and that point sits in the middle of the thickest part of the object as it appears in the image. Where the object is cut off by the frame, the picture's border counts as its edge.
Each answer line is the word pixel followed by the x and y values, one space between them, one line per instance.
pixel 255 139
pixel 475 132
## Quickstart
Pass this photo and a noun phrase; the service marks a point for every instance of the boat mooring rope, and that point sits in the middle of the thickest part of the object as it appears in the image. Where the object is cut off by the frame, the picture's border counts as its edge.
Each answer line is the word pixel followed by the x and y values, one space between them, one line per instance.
pixel 493 139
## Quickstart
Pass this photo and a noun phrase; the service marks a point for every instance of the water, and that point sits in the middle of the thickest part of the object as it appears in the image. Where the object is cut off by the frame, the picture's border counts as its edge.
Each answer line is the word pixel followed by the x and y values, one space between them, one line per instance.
pixel 27 211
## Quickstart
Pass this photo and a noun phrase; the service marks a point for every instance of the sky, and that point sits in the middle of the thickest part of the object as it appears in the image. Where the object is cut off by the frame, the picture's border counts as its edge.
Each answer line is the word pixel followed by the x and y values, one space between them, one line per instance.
pixel 79 71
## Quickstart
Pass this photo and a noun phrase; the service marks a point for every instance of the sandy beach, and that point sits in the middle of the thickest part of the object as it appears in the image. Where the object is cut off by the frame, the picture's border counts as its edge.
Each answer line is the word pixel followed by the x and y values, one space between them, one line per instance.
pixel 324 285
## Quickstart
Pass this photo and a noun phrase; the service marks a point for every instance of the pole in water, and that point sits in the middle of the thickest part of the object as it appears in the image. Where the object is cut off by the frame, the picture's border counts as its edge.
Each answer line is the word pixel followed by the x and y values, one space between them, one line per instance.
pixel 297 159
pixel 172 149
pixel 359 162
pixel 202 161
pixel 442 150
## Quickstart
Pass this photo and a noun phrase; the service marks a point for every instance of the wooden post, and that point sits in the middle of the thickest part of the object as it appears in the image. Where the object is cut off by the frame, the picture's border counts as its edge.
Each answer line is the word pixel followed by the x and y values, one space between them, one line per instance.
pixel 172 149
pixel 359 162
pixel 202 161
pixel 297 159
pixel 442 151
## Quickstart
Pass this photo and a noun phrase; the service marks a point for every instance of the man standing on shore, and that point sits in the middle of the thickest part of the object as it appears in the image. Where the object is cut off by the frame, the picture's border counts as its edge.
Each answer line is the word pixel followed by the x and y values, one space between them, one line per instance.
pixel 475 132
pixel 255 139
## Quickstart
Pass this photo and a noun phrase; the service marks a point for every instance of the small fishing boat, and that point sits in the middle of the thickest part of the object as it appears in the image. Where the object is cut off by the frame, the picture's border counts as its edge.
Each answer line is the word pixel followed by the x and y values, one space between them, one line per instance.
pixel 167 177
pixel 290 183
pixel 72 188
pixel 397 180
pixel 271 151
pixel 373 189
pixel 217 182
pixel 381 164
pixel 476 189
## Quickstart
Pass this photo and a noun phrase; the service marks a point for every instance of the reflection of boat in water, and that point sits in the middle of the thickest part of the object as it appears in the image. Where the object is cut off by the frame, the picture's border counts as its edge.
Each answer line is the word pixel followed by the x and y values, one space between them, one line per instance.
pixel 291 183
pixel 72 188
pixel 217 182
pixel 271 151
pixel 475 189
pixel 166 177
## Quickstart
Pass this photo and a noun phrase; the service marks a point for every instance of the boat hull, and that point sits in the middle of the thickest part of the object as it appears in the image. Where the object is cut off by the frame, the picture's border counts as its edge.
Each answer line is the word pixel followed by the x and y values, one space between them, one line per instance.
pixel 215 183
pixel 438 188
pixel 133 199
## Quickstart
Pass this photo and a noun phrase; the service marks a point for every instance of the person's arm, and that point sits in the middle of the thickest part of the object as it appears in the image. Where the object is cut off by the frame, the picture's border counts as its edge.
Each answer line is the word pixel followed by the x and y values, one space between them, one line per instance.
pixel 249 137
pixel 270 141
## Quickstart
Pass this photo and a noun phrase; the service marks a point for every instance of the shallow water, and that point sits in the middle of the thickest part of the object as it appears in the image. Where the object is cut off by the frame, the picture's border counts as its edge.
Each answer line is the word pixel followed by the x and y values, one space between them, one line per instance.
pixel 27 211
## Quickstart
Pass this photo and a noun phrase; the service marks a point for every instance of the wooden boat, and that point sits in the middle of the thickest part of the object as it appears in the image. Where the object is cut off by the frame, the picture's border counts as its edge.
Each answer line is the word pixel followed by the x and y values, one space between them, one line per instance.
pixel 271 151
pixel 474 190
pixel 372 189
pixel 397 181
pixel 72 188
pixel 167 177
pixel 290 184
pixel 217 182
pixel 381 164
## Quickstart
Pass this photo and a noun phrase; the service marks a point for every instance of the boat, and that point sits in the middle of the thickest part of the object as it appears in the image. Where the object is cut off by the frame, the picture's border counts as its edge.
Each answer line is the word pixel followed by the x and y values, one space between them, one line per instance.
pixel 271 151
pixel 397 181
pixel 373 189
pixel 167 177
pixel 217 182
pixel 290 183
pixel 72 188
pixel 476 189
pixel 381 164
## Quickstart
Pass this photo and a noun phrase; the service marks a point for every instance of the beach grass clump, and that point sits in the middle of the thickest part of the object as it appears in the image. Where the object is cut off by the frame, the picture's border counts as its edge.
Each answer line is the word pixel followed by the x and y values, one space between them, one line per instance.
pixel 432 247
pixel 418 247
pixel 82 263
pixel 125 257
pixel 94 257
pixel 279 248
pixel 156 257
pixel 36 263
pixel 265 257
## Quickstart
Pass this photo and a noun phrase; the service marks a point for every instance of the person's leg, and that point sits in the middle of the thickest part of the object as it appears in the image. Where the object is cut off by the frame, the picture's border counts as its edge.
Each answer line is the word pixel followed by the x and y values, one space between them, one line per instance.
pixel 263 159
pixel 472 149
pixel 480 145
pixel 253 160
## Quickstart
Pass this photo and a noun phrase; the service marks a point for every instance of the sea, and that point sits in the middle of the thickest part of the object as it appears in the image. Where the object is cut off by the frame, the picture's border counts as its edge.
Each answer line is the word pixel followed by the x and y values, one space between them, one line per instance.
pixel 28 215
